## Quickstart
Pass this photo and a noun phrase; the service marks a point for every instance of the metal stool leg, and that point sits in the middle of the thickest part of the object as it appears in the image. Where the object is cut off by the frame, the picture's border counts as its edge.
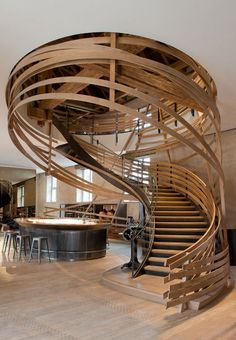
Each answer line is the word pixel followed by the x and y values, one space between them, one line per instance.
pixel 24 245
pixel 39 251
pixel 5 241
pixel 29 242
pixel 20 248
pixel 9 245
pixel 8 240
pixel 31 250
pixel 15 244
pixel 49 259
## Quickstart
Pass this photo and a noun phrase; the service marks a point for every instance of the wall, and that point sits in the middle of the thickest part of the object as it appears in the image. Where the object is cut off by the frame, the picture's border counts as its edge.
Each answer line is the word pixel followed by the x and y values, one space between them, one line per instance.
pixel 29 194
pixel 30 191
pixel 16 175
pixel 229 167
pixel 66 194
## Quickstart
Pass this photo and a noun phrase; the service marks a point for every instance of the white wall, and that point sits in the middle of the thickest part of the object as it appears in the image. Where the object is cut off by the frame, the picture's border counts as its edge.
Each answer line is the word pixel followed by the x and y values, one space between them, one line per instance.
pixel 229 167
pixel 66 194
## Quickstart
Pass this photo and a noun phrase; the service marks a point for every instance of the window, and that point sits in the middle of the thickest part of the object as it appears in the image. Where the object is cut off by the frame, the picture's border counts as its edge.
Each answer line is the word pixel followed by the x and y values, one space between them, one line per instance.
pixel 140 176
pixel 51 189
pixel 20 196
pixel 146 160
pixel 81 195
pixel 146 111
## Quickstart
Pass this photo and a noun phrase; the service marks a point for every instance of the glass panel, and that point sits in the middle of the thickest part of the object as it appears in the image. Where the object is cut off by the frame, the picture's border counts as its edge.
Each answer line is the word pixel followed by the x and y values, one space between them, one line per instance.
pixel 51 189
pixel 20 196
pixel 54 195
pixel 54 182
pixel 81 195
pixel 86 196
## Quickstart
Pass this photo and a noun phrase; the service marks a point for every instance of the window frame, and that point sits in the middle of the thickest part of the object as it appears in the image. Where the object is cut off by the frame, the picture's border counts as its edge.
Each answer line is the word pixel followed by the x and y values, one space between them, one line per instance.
pixel 51 189
pixel 83 196
pixel 20 196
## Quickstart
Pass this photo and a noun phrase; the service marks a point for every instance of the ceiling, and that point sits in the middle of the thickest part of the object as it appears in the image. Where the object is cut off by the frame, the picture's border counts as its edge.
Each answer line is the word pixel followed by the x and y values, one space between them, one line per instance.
pixel 204 29
pixel 16 175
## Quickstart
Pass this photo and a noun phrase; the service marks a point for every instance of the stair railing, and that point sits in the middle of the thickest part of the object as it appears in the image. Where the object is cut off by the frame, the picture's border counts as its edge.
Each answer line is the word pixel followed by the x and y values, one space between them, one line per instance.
pixel 145 236
pixel 203 267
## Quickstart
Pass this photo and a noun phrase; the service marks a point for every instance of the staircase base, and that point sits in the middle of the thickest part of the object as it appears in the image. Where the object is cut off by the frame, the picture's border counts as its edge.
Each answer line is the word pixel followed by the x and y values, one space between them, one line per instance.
pixel 152 288
pixel 208 298
pixel 146 287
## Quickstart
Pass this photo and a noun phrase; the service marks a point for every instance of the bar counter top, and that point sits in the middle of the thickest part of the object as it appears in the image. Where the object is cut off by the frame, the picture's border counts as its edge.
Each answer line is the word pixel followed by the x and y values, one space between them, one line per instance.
pixel 69 239
pixel 62 223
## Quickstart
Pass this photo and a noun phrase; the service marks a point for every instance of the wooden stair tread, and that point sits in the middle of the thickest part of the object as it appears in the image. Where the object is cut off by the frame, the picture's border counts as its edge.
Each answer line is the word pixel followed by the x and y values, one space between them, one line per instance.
pixel 176 212
pixel 187 237
pixel 182 223
pixel 173 244
pixel 171 198
pixel 165 251
pixel 183 230
pixel 179 218
pixel 157 259
pixel 174 207
pixel 166 202
pixel 157 268
pixel 169 194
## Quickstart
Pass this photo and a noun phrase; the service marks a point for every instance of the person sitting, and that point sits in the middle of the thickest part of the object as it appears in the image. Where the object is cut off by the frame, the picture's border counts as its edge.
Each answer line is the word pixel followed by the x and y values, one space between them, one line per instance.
pixel 12 224
pixel 111 213
pixel 102 215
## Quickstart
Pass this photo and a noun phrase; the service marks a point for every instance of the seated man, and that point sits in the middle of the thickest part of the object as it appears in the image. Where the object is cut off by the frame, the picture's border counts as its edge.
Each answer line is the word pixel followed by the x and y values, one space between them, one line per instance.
pixel 102 215
pixel 7 219
pixel 111 212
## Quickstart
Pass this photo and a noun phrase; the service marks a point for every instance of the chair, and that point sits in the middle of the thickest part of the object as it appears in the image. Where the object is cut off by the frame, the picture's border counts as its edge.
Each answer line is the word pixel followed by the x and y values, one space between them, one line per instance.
pixel 38 242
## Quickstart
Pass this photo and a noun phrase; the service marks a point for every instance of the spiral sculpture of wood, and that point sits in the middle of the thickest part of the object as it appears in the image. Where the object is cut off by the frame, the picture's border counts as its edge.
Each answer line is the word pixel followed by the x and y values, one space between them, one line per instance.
pixel 90 85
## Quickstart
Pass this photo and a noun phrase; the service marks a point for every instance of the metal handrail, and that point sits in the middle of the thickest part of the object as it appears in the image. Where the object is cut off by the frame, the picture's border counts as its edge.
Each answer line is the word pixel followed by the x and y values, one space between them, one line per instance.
pixel 136 271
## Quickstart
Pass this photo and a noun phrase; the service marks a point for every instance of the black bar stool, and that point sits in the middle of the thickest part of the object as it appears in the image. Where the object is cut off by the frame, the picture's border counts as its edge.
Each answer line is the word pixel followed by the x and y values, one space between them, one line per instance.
pixel 38 241
pixel 22 241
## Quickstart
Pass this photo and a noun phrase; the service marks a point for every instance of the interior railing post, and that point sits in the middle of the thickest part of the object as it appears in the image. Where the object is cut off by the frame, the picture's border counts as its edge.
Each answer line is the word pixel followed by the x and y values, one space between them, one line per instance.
pixel 186 177
pixel 171 173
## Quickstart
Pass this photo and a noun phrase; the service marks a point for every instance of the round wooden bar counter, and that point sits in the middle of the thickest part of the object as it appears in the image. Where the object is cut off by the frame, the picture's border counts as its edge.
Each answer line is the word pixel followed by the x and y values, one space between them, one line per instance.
pixel 69 239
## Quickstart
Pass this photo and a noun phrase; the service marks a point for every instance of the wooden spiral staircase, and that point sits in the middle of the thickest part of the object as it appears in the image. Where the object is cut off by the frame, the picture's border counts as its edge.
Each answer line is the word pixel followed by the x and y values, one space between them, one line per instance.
pixel 178 225
pixel 96 84
pixel 183 239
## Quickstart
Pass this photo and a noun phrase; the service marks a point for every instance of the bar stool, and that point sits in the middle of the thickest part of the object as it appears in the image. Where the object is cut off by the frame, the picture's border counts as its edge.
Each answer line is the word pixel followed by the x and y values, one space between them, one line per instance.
pixel 4 229
pixel 10 237
pixel 38 241
pixel 22 240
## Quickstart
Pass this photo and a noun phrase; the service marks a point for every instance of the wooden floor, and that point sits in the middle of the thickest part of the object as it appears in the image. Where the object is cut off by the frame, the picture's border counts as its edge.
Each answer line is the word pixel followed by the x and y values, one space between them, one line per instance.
pixel 66 300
